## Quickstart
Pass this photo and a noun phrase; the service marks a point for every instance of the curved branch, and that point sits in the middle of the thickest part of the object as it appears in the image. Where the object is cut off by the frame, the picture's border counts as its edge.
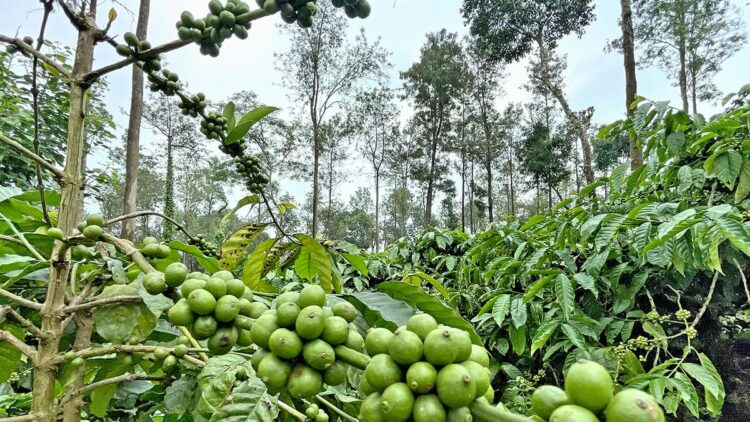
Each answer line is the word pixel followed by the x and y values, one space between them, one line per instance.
pixel 25 323
pixel 34 52
pixel 127 348
pixel 144 213
pixel 10 239
pixel 19 300
pixel 17 344
pixel 101 302
pixel 333 407
pixel 22 418
pixel 23 150
pixel 22 238
pixel 291 411
pixel 708 300
pixel 114 380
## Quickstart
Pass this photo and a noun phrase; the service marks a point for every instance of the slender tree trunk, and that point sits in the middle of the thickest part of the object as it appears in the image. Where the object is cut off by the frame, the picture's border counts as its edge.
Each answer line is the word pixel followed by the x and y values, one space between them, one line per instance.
pixel 694 89
pixel 315 193
pixel 683 76
pixel 71 206
pixel 134 130
pixel 377 210
pixel 463 191
pixel 169 207
pixel 631 83
pixel 329 215
pixel 471 199
pixel 430 184
pixel 510 178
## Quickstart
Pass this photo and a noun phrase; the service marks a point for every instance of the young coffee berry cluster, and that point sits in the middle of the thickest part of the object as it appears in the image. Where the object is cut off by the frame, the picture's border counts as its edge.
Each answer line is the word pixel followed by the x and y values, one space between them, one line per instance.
pixel 222 21
pixel 214 126
pixel 354 8
pixel 193 105
pixel 134 46
pixel 167 83
pixel 152 249
pixel 249 167
pixel 208 248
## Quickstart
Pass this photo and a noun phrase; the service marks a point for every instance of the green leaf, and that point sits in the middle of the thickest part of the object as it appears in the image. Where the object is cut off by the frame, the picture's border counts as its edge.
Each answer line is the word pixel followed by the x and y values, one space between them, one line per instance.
pixel 180 395
pixel 735 232
pixel 587 282
pixel 617 177
pixel 247 121
pixel 574 336
pixel 436 284
pixel 101 396
pixel 356 261
pixel 543 333
pixel 565 295
pixel 210 264
pixel 10 262
pixel 727 167
pixel 704 377
pixel 252 273
pixel 303 265
pixel 249 401
pixel 429 304
pixel 380 310
pixel 518 339
pixel 743 186
pixel 518 312
pixel 217 379
pixel 320 261
pixel 248 200
pixel 713 403
pixel 685 178
pixel 228 114
pixel 10 357
pixel 234 248
pixel 687 391
pixel 123 323
pixel 500 309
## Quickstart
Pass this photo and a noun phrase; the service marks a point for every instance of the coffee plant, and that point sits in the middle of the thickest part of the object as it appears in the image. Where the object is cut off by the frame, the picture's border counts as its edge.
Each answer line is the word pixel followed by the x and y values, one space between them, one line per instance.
pixel 294 328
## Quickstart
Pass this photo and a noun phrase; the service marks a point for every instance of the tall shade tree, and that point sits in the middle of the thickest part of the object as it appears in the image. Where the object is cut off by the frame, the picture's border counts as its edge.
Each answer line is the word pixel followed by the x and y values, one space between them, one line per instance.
pixel 433 84
pixel 509 30
pixel 322 68
pixel 376 117
pixel 689 40
pixel 166 119
pixel 132 149
pixel 631 83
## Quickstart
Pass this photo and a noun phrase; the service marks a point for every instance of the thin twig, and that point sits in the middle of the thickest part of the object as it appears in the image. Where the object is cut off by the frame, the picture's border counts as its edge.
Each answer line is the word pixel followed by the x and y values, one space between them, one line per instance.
pixel 22 238
pixel 22 418
pixel 292 411
pixel 143 213
pixel 708 300
pixel 31 50
pixel 18 344
pixel 127 348
pixel 338 411
pixel 129 251
pixel 185 332
pixel 10 239
pixel 101 302
pixel 21 301
pixel 35 101
pixel 23 150
pixel 744 279
pixel 25 323
pixel 273 218
pixel 114 380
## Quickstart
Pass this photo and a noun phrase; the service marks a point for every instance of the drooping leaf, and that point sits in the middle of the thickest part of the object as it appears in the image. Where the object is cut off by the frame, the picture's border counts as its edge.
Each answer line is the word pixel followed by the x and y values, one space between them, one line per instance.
pixel 380 310
pixel 252 273
pixel 320 261
pixel 356 261
pixel 210 264
pixel 565 295
pixel 500 309
pixel 247 121
pixel 234 248
pixel 518 312
pixel 180 395
pixel 543 333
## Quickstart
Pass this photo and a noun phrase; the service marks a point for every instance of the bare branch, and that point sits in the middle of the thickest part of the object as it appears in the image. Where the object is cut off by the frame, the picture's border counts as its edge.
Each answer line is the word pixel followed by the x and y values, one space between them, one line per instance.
pixel 25 323
pixel 101 302
pixel 143 213
pixel 22 418
pixel 34 52
pixel 23 150
pixel 22 238
pixel 703 308
pixel 19 300
pixel 10 239
pixel 129 251
pixel 18 344
pixel 114 380
pixel 127 348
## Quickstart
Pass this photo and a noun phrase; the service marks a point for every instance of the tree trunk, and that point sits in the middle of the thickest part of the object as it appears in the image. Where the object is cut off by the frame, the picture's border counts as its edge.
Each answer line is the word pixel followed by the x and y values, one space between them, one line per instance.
pixel 169 207
pixel 71 205
pixel 463 191
pixel 377 211
pixel 134 130
pixel 315 193
pixel 510 178
pixel 631 83
pixel 471 198
pixel 430 185
pixel 694 89
pixel 683 76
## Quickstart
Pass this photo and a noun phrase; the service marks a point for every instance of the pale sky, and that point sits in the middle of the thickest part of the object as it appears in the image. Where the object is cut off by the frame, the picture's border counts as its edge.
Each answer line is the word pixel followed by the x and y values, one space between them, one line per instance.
pixel 593 77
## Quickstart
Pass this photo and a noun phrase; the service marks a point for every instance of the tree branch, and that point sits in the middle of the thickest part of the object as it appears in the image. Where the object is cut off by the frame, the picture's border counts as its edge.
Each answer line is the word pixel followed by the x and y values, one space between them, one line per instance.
pixel 23 150
pixel 22 238
pixel 10 239
pixel 34 52
pixel 143 213
pixel 114 380
pixel 101 302
pixel 21 301
pixel 129 251
pixel 22 418
pixel 127 348
pixel 708 300
pixel 25 323
pixel 18 344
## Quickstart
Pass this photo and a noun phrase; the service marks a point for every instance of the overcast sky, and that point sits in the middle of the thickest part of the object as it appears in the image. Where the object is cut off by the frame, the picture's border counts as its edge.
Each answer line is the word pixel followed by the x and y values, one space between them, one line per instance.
pixel 593 77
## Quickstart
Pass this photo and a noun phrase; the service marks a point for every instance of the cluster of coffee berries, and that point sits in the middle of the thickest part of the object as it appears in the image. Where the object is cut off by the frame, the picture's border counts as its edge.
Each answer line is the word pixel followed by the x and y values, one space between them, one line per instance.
pixel 91 228
pixel 423 372
pixel 354 8
pixel 249 167
pixel 301 12
pixel 152 249
pixel 167 358
pixel 166 83
pixel 214 126
pixel 208 248
pixel 315 413
pixel 193 105
pixel 682 314
pixel 589 397
pixel 222 21
pixel 215 307
pixel 300 342
pixel 134 46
